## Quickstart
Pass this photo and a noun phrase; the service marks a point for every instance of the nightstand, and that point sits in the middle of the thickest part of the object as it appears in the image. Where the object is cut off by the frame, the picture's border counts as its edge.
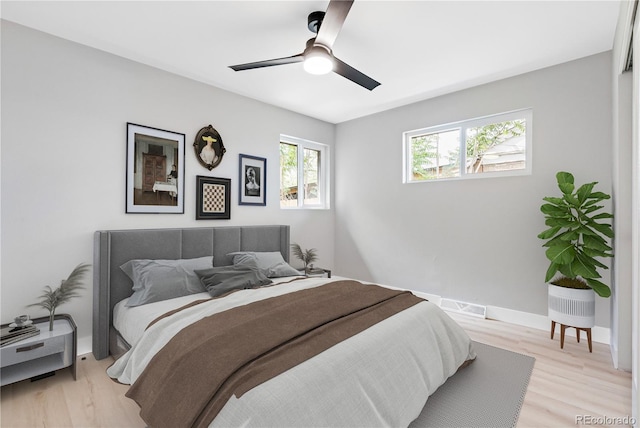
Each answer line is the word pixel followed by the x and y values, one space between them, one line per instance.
pixel 41 354
pixel 317 272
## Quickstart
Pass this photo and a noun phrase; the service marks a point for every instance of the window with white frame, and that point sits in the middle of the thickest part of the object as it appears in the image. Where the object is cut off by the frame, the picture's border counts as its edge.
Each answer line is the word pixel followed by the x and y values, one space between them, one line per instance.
pixel 304 173
pixel 490 146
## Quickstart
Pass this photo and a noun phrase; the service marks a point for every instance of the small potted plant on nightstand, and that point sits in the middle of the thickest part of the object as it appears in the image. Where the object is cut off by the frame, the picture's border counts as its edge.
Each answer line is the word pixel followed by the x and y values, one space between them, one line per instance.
pixel 307 256
pixel 576 238
pixel 67 290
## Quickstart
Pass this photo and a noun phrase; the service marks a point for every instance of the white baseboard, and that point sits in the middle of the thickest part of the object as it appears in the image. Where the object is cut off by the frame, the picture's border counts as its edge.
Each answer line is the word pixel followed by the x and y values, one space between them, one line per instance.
pixel 84 345
pixel 525 319
pixel 540 322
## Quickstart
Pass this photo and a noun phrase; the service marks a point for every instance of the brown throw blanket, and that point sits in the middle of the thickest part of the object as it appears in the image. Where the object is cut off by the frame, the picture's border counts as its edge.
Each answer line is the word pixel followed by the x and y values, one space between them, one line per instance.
pixel 189 381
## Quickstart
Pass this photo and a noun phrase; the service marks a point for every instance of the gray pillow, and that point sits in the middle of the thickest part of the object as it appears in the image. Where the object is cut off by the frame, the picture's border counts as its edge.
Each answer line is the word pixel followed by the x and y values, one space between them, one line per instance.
pixel 270 263
pixel 156 280
pixel 220 280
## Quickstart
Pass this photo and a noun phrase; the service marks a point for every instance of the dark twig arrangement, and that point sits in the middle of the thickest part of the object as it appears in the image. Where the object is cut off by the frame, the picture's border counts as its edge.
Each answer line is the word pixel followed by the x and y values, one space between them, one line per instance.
pixel 307 256
pixel 67 290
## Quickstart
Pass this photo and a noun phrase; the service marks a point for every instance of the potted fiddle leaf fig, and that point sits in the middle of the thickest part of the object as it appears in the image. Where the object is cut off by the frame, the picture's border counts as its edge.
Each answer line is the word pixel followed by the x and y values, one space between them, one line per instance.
pixel 576 239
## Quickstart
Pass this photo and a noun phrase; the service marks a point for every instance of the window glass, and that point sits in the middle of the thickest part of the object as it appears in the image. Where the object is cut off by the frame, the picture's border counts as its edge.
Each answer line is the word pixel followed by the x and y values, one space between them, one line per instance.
pixel 435 155
pixel 303 174
pixel 498 145
pixel 311 168
pixel 288 175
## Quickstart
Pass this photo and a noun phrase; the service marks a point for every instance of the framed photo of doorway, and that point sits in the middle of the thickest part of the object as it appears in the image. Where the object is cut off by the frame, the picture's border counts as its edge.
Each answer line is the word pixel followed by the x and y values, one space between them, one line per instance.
pixel 155 170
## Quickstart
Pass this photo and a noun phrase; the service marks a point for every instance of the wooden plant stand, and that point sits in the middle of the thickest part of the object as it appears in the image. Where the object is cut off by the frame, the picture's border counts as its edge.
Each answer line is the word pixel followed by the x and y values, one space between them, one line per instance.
pixel 563 327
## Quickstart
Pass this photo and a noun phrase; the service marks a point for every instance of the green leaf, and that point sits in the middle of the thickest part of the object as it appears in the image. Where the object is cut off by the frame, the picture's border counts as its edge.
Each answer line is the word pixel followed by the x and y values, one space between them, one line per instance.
pixel 554 201
pixel 605 229
pixel 555 242
pixel 570 235
pixel 584 266
pixel 551 271
pixel 595 242
pixel 584 191
pixel 601 215
pixel 556 211
pixel 599 196
pixel 600 288
pixel 549 233
pixel 567 270
pixel 561 254
pixel 584 230
pixel 568 223
pixel 592 208
pixel 566 188
pixel 594 254
pixel 564 177
pixel 551 222
pixel 572 200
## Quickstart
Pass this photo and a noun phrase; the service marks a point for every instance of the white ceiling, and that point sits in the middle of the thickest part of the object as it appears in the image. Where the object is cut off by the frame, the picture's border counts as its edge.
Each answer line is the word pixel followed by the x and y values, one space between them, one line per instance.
pixel 416 49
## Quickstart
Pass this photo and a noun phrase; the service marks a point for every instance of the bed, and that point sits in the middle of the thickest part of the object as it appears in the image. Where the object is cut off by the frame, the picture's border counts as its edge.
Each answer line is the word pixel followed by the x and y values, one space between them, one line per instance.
pixel 358 355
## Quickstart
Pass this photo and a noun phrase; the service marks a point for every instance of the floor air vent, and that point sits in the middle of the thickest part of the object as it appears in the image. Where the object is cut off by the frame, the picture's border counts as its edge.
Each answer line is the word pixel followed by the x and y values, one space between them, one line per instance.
pixel 464 308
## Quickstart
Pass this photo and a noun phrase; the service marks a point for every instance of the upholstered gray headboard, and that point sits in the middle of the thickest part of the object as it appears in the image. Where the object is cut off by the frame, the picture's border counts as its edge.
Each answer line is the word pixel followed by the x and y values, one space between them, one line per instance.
pixel 112 248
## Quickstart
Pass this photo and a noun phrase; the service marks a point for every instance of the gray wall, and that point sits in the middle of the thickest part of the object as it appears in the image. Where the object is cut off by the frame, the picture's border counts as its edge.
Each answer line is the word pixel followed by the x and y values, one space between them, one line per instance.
pixel 472 240
pixel 64 114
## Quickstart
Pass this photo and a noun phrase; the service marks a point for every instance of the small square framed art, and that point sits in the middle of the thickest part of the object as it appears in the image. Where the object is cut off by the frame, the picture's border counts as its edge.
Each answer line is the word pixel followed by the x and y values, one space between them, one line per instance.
pixel 213 198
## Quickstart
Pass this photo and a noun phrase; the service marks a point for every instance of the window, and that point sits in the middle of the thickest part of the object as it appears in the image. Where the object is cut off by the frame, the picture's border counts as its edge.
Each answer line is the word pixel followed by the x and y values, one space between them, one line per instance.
pixel 491 146
pixel 304 178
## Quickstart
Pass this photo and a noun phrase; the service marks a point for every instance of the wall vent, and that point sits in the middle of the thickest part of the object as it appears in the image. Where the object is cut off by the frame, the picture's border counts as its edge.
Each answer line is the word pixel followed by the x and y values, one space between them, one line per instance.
pixel 464 308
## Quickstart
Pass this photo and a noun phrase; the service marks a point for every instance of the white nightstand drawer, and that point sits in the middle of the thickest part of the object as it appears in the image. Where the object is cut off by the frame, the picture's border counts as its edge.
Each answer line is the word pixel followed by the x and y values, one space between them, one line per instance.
pixel 20 352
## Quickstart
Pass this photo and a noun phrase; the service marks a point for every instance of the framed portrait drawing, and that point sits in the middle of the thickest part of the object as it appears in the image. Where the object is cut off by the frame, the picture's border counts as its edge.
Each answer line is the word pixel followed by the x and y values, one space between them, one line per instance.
pixel 208 147
pixel 253 180
pixel 213 198
pixel 155 170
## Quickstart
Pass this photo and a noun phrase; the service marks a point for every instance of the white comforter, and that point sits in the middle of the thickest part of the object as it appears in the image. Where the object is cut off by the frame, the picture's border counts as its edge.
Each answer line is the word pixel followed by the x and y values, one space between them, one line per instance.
pixel 380 377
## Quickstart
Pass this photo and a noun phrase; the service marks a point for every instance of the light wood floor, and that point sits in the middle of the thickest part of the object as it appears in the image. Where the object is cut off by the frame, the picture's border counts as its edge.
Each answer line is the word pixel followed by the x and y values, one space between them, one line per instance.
pixel 565 384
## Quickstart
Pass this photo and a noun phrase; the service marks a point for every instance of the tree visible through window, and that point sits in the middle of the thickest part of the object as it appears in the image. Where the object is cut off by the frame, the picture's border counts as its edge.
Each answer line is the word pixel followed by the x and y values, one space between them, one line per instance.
pixel 288 175
pixel 303 179
pixel 490 146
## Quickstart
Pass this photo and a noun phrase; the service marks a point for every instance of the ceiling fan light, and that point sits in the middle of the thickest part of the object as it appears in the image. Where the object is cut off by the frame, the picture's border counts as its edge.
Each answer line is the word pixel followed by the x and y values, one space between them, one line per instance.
pixel 318 61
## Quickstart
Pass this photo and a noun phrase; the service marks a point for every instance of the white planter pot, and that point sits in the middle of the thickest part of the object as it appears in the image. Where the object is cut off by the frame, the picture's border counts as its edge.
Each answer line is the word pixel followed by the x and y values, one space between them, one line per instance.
pixel 572 307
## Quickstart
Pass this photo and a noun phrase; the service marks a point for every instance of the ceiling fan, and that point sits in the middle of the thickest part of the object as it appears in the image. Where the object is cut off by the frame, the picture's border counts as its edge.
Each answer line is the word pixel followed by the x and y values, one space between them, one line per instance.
pixel 318 57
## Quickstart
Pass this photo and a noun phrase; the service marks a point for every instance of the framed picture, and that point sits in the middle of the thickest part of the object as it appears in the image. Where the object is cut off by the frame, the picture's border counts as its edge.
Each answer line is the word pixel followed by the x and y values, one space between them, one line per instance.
pixel 208 147
pixel 155 170
pixel 213 198
pixel 253 180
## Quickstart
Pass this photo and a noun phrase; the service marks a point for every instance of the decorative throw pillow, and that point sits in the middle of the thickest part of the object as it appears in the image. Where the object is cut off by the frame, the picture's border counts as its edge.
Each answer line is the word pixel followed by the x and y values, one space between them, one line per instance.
pixel 271 263
pixel 221 280
pixel 156 280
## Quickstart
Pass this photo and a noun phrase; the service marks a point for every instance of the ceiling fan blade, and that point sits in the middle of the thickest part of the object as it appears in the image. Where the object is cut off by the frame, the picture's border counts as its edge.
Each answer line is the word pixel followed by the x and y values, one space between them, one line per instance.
pixel 345 70
pixel 268 63
pixel 332 23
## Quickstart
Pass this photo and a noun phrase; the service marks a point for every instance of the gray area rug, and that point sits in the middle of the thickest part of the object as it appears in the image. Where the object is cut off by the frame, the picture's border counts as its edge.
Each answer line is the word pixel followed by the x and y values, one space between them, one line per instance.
pixel 487 393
